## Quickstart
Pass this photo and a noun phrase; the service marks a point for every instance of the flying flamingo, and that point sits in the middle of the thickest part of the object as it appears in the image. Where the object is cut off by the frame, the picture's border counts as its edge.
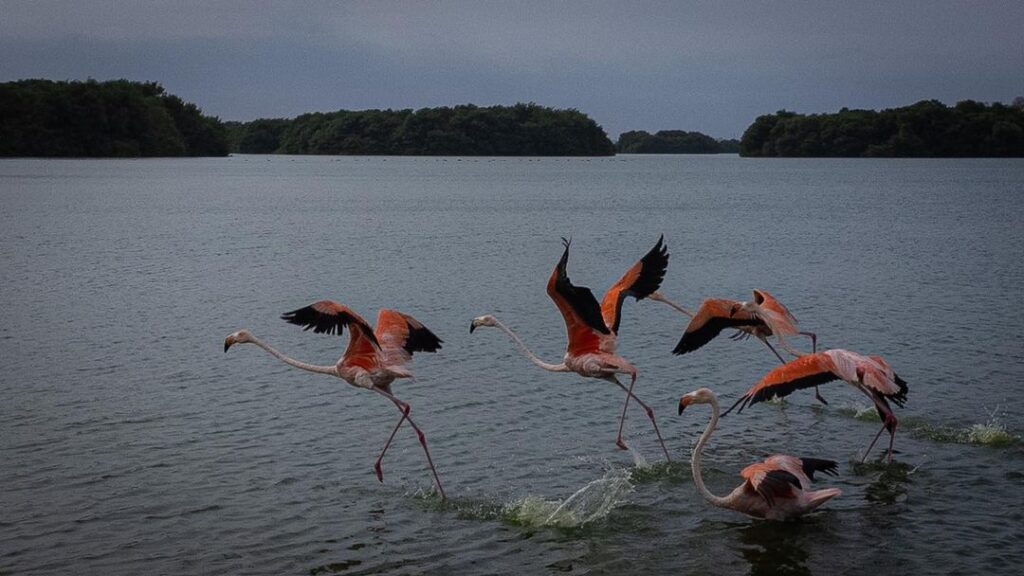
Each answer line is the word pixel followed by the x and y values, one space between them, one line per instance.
pixel 762 317
pixel 373 359
pixel 776 489
pixel 592 328
pixel 870 374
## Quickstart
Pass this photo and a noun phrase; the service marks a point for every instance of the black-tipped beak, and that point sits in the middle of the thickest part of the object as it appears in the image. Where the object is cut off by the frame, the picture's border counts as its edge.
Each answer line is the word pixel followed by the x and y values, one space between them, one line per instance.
pixel 472 327
pixel 227 345
pixel 682 406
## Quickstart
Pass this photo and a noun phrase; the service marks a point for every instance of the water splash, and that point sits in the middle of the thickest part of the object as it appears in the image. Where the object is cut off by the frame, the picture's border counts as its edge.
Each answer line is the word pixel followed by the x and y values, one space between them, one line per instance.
pixel 592 502
pixel 993 432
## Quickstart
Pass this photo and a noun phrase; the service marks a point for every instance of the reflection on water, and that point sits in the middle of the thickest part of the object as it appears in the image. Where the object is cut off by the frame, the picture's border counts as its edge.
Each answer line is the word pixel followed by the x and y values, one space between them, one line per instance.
pixel 777 547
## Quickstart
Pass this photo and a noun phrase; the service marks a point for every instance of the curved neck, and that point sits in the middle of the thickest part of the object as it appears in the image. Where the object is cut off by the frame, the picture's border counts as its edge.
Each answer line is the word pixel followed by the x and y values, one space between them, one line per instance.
pixel 695 459
pixel 657 297
pixel 292 362
pixel 549 367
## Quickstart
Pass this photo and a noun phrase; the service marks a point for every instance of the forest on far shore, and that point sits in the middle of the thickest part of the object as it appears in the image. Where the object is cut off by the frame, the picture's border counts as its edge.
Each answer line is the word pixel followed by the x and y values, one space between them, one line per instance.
pixel 673 142
pixel 467 130
pixel 118 118
pixel 123 118
pixel 926 129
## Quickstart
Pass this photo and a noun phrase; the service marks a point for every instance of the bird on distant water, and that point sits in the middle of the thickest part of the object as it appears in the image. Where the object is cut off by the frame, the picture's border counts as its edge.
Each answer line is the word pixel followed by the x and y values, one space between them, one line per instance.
pixel 762 317
pixel 776 489
pixel 592 328
pixel 870 374
pixel 373 359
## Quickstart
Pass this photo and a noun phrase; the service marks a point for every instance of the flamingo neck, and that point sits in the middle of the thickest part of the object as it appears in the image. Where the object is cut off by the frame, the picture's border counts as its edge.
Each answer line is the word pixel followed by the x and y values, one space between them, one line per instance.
pixel 533 358
pixel 695 459
pixel 331 370
pixel 657 297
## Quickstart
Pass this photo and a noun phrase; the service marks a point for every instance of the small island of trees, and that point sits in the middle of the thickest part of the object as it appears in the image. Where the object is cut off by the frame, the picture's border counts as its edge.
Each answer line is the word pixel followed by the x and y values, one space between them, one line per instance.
pixel 118 118
pixel 523 129
pixel 925 129
pixel 519 130
pixel 673 142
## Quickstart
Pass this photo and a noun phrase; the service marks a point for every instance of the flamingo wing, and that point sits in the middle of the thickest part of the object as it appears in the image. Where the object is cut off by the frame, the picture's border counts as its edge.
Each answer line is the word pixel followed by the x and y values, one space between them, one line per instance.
pixel 886 382
pixel 583 322
pixel 771 482
pixel 804 372
pixel 777 316
pixel 329 317
pixel 401 335
pixel 803 466
pixel 642 278
pixel 713 316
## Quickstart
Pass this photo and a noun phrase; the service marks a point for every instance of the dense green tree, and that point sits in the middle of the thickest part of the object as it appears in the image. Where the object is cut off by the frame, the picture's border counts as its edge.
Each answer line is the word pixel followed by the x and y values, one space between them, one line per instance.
pixel 520 130
pixel 98 119
pixel 925 129
pixel 672 142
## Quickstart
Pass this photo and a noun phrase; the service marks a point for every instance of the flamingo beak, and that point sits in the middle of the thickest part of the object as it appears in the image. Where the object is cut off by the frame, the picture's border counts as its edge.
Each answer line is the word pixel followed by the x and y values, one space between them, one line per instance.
pixel 683 403
pixel 472 326
pixel 227 343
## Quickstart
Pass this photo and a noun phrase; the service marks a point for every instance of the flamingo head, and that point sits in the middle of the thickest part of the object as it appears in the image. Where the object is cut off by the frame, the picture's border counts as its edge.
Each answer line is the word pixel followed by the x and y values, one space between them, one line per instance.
pixel 485 320
pixel 699 396
pixel 237 337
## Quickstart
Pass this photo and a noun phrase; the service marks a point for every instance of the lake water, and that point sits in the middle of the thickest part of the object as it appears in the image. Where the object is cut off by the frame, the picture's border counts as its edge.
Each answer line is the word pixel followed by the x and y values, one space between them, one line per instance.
pixel 131 443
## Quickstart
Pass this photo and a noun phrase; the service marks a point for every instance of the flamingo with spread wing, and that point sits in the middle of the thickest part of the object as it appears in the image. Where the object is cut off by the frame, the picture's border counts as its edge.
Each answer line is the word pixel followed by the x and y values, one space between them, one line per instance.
pixel 372 361
pixel 592 328
pixel 762 317
pixel 870 374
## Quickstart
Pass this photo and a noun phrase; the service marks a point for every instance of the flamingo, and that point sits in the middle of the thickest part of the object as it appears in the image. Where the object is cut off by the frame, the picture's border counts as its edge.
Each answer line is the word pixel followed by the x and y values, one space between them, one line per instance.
pixel 592 328
pixel 762 317
pixel 775 489
pixel 373 359
pixel 870 374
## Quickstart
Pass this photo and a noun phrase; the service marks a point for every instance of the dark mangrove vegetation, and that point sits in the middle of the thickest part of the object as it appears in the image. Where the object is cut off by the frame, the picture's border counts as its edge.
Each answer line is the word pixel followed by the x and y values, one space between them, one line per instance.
pixel 520 130
pixel 926 129
pixel 673 142
pixel 103 119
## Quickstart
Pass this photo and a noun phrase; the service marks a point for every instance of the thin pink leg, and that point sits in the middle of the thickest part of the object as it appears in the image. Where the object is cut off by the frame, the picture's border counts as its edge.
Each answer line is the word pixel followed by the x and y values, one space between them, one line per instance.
pixel 650 414
pixel 405 408
pixel 622 421
pixel 892 437
pixel 376 466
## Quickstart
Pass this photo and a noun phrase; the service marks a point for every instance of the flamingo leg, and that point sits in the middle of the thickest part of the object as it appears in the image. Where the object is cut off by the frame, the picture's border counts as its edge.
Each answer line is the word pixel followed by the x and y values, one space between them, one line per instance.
pixel 650 414
pixel 889 418
pixel 376 466
pixel 770 347
pixel 405 409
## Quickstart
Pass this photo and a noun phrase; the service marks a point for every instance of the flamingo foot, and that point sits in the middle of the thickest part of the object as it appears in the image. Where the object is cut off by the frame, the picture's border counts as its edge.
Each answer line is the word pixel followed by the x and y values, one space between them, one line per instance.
pixel 380 473
pixel 621 444
pixel 820 399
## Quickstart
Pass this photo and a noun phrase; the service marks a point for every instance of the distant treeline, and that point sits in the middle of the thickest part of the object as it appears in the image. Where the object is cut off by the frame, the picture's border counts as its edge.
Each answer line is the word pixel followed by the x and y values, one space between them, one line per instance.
pixel 673 142
pixel 926 129
pixel 101 119
pixel 520 130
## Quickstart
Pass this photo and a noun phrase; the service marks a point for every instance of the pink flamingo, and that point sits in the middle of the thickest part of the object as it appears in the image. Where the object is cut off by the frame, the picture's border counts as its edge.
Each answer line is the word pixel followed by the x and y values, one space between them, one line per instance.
pixel 373 359
pixel 592 328
pixel 762 317
pixel 870 374
pixel 776 489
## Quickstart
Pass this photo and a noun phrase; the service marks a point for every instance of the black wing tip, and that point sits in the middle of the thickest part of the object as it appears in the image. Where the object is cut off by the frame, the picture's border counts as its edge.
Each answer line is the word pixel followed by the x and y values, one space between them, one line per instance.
pixel 900 397
pixel 422 340
pixel 812 465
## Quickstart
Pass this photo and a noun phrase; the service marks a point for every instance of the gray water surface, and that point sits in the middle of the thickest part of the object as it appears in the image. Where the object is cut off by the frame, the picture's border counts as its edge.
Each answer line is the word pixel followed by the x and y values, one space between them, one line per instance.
pixel 130 443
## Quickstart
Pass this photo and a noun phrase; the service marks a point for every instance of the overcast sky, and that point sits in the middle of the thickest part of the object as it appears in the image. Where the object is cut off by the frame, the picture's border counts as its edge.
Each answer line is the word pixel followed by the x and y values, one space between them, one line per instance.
pixel 708 66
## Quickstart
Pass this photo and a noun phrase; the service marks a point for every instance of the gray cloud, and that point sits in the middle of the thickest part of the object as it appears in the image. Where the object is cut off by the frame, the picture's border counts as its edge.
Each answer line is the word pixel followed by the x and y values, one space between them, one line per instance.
pixel 710 66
